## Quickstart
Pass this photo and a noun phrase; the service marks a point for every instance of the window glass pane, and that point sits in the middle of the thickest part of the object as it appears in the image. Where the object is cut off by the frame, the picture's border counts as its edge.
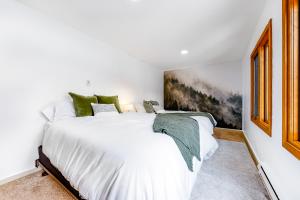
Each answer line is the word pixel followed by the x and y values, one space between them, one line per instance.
pixel 298 75
pixel 266 86
pixel 296 71
pixel 256 85
pixel 298 45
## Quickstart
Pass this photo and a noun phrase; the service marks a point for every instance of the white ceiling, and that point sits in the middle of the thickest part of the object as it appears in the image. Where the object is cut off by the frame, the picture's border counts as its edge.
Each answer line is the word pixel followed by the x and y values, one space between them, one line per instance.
pixel 155 31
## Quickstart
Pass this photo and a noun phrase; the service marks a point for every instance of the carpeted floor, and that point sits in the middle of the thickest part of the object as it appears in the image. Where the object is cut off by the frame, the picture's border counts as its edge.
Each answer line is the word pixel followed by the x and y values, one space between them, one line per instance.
pixel 229 175
pixel 34 187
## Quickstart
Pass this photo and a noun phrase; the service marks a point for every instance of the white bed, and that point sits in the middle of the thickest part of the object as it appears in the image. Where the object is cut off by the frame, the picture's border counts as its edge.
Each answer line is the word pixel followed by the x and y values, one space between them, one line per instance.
pixel 120 157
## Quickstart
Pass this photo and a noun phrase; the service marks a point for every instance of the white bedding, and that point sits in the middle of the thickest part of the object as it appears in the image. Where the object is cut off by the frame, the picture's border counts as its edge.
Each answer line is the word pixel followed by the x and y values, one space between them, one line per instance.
pixel 121 158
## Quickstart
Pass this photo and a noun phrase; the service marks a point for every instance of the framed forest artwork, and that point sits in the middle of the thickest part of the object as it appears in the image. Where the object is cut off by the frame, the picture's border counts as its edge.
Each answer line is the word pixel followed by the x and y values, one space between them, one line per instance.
pixel 190 90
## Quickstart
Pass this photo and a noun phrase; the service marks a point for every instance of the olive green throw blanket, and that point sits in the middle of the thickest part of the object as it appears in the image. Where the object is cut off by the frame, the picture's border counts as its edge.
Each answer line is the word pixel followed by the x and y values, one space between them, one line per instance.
pixel 184 130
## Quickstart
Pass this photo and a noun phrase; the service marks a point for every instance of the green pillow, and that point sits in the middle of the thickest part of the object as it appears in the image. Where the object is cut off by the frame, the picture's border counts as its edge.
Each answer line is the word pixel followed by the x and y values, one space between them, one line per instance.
pixel 110 100
pixel 82 104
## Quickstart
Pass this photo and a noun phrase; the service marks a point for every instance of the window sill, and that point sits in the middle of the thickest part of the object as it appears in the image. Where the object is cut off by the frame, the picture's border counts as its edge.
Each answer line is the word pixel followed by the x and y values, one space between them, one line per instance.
pixel 293 148
pixel 267 128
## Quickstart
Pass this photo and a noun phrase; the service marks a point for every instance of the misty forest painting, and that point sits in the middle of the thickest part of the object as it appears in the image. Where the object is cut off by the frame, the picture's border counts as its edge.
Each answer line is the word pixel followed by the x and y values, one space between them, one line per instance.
pixel 188 92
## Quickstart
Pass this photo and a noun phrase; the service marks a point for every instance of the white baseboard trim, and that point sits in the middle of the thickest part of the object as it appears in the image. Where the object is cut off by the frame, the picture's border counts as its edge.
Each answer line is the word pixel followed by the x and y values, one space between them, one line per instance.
pixel 19 175
pixel 262 173
pixel 267 183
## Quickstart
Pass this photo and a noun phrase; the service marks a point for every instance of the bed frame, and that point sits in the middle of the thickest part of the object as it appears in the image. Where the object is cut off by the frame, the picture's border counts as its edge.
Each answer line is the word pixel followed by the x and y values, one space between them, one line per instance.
pixel 48 168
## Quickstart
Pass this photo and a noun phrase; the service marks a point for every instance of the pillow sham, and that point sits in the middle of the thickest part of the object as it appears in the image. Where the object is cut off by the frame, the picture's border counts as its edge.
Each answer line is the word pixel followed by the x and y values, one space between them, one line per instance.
pixel 154 103
pixel 148 107
pixel 151 106
pixel 97 108
pixel 109 100
pixel 64 109
pixel 48 112
pixel 58 110
pixel 82 104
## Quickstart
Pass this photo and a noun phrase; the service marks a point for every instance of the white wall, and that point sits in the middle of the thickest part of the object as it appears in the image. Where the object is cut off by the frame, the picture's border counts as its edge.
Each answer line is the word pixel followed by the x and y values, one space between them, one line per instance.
pixel 40 61
pixel 282 168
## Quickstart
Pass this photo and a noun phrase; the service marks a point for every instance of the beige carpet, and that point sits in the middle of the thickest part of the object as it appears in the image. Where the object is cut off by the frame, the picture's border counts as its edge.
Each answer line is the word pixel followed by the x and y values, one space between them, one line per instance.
pixel 229 175
pixel 34 187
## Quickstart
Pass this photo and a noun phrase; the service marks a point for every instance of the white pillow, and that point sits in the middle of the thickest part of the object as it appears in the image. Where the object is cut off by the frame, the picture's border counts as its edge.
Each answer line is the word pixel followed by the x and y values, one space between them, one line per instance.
pixel 49 112
pixel 100 108
pixel 59 110
pixel 64 109
pixel 139 108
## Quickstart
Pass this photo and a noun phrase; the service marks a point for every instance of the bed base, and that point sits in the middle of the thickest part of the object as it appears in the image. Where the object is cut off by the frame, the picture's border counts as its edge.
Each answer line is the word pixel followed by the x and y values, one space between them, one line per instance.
pixel 48 168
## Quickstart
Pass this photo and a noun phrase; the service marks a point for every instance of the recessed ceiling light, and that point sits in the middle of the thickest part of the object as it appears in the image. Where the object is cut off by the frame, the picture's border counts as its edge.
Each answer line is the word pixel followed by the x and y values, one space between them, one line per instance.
pixel 184 52
pixel 135 0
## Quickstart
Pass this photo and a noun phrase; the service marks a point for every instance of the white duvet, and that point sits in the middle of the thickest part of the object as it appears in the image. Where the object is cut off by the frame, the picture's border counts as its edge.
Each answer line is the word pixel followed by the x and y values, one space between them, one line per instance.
pixel 120 157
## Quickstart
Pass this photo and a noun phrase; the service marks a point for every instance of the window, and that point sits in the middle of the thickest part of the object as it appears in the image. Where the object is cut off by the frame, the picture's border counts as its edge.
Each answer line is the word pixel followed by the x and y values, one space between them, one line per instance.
pixel 290 79
pixel 261 81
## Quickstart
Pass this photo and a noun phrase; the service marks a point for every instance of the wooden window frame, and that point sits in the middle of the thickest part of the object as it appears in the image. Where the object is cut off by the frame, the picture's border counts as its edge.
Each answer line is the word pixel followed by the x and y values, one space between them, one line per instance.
pixel 290 78
pixel 264 100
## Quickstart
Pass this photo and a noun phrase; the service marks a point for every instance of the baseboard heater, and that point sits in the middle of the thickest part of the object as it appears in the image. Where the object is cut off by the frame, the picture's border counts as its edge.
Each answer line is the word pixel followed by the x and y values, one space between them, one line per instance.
pixel 272 193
